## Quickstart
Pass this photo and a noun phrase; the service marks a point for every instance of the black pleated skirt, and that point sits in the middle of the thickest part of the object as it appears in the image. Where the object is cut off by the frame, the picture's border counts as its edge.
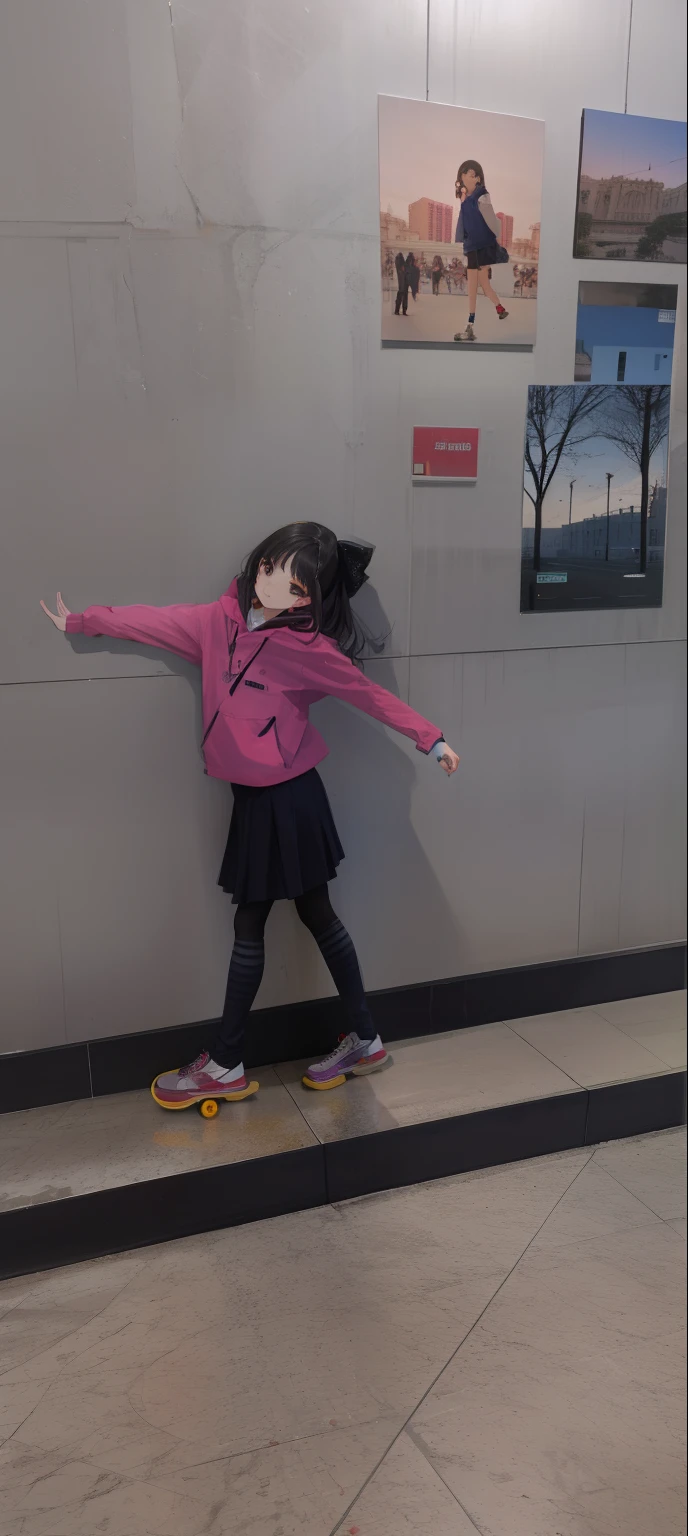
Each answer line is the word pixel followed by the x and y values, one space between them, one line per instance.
pixel 282 841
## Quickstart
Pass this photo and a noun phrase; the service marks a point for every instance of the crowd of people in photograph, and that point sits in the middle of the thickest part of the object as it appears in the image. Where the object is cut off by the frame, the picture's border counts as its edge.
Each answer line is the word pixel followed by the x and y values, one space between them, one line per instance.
pixel 525 281
pixel 416 272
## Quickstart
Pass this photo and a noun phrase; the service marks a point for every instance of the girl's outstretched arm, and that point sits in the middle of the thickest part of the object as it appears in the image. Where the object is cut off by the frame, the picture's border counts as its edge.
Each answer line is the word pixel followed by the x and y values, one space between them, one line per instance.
pixel 327 671
pixel 176 629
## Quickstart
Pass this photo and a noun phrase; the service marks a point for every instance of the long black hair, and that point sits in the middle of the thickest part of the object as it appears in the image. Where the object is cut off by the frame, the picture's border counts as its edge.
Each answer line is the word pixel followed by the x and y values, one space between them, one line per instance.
pixel 471 165
pixel 319 566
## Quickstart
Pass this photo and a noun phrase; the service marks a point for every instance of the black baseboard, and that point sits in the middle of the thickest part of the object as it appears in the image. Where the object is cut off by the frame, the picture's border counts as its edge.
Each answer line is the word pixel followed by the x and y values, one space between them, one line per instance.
pixel 53 1233
pixel 137 1215
pixel 296 1030
pixel 363 1165
pixel 635 1108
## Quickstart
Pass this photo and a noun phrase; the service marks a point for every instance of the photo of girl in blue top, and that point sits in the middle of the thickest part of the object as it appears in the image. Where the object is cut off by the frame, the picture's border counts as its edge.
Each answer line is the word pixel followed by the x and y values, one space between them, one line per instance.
pixel 479 231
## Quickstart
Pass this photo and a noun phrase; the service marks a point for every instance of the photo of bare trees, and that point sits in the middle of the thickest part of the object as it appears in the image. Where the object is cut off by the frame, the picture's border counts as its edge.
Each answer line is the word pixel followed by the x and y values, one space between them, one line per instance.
pixel 594 496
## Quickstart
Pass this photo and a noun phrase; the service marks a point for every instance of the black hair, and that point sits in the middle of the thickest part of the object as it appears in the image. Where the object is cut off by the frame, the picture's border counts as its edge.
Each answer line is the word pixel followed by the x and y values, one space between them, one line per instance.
pixel 471 165
pixel 316 565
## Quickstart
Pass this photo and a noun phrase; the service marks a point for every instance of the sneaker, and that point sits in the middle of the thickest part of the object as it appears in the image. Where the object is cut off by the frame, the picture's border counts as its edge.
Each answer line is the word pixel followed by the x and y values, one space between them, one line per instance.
pixel 202 1079
pixel 351 1056
pixel 467 335
pixel 502 312
pixel 374 1057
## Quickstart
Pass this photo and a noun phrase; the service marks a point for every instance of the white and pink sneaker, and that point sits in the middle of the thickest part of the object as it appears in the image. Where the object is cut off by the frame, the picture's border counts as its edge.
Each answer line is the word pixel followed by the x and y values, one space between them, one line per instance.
pixel 351 1057
pixel 203 1082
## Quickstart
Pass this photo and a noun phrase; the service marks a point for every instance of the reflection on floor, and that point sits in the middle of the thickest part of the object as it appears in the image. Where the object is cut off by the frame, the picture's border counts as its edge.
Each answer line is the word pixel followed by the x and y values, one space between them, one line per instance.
pixel 64 1150
pixel 497 1352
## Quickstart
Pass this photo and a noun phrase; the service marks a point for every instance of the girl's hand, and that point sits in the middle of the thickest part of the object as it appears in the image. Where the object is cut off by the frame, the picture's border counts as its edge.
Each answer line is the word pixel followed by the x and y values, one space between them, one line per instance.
pixel 60 618
pixel 449 762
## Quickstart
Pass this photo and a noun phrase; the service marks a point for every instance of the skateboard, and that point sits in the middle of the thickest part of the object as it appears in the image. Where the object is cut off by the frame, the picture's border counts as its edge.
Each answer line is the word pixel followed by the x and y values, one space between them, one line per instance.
pixel 207 1104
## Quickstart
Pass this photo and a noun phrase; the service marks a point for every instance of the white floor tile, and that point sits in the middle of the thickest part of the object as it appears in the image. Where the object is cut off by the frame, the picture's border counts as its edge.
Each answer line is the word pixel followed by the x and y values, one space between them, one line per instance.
pixel 428 1079
pixel 653 1168
pixel 587 1047
pixel 667 1007
pixel 526 1322
pixel 124 1138
pixel 407 1497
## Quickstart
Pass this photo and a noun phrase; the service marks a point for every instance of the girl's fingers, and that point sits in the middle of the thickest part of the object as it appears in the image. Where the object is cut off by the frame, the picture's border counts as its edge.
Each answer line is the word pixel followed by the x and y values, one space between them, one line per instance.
pixel 46 609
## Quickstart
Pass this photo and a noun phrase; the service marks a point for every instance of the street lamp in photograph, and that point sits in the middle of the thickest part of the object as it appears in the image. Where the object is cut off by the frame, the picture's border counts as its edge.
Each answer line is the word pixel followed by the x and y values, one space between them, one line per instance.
pixel 571 485
pixel 610 477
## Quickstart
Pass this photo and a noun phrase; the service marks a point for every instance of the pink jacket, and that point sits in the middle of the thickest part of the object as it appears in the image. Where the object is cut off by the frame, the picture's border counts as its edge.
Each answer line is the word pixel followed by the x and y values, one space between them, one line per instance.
pixel 258 685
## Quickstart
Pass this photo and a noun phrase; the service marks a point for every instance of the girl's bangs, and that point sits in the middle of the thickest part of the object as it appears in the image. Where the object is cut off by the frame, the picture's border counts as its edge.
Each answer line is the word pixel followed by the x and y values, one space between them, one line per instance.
pixel 278 551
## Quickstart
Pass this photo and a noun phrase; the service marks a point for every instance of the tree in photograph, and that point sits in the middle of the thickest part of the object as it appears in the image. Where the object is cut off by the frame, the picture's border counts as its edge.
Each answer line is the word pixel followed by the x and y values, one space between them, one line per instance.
pixel 638 422
pixel 669 226
pixel 583 232
pixel 560 418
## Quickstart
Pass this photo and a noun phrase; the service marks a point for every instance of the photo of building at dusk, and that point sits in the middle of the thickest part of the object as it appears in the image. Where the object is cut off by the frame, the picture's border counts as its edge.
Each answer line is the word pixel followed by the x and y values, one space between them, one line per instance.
pixel 631 189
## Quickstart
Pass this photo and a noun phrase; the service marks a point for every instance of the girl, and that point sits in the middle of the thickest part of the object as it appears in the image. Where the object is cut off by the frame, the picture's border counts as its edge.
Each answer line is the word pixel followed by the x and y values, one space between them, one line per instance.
pixel 479 231
pixel 282 637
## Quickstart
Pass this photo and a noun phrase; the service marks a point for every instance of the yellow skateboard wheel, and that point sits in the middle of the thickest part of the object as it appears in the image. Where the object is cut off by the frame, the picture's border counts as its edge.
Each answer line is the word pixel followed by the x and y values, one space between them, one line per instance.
pixel 208 1108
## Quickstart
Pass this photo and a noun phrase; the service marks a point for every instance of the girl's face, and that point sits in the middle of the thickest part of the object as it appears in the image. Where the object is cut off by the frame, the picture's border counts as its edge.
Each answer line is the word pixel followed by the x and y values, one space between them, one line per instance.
pixel 276 587
pixel 470 181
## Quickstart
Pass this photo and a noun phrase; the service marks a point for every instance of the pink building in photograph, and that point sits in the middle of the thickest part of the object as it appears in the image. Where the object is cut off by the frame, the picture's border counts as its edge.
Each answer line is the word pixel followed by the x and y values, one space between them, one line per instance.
pixel 507 223
pixel 430 220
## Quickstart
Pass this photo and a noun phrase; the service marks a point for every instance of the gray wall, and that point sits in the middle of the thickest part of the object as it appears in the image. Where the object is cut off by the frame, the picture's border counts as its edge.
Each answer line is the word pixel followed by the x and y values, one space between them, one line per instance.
pixel 189 355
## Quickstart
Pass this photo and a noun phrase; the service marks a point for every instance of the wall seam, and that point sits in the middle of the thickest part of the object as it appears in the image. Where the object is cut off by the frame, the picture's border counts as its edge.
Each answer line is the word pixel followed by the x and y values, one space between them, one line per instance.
pixel 500 650
pixel 427 52
pixel 628 53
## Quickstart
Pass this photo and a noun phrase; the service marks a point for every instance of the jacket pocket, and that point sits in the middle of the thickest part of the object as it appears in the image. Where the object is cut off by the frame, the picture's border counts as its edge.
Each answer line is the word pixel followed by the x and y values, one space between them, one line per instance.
pixel 270 722
pixel 289 729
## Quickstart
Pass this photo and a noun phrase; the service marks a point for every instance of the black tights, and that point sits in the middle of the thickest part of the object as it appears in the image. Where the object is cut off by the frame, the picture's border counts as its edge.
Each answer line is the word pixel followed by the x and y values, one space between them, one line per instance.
pixel 314 908
pixel 248 961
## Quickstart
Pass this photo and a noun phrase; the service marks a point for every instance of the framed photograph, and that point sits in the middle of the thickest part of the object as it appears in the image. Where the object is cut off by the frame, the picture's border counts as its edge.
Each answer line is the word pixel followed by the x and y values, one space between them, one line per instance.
pixel 631 189
pixel 460 196
pixel 594 496
pixel 625 333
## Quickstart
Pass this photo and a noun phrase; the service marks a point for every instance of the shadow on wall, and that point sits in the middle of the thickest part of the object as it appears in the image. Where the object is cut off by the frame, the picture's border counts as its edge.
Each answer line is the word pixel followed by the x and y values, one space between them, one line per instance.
pixel 386 891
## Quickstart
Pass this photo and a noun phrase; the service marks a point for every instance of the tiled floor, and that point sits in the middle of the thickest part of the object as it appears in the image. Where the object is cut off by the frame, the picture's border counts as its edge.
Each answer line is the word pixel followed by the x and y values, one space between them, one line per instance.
pixel 73 1149
pixel 498 1353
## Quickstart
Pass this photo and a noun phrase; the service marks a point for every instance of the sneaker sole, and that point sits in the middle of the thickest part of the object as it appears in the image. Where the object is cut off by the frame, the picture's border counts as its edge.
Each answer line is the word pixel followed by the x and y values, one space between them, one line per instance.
pixel 366 1068
pixel 361 1069
pixel 332 1082
pixel 200 1098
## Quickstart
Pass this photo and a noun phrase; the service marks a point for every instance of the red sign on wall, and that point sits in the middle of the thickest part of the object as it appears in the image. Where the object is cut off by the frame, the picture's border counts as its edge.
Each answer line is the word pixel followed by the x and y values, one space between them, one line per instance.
pixel 445 453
